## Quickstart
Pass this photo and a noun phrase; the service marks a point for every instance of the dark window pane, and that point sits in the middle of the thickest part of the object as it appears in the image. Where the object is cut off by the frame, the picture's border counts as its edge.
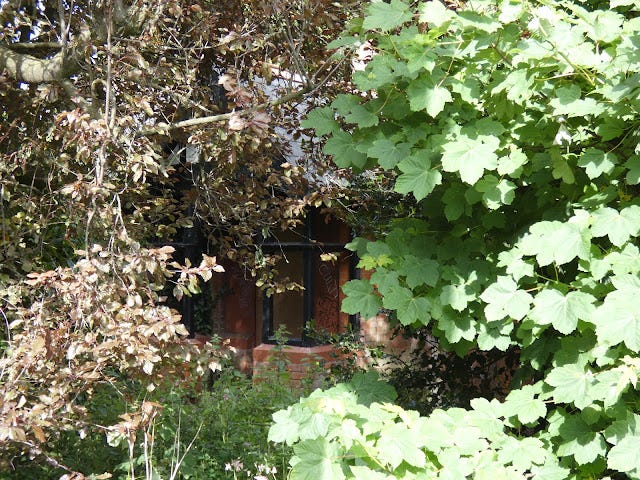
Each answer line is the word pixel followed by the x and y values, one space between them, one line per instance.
pixel 288 307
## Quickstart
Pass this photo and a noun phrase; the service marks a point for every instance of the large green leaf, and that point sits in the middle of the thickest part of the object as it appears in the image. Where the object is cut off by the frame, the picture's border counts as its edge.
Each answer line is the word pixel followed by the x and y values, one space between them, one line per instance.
pixel 470 157
pixel 524 404
pixel 618 318
pixel 618 226
pixel 418 177
pixel 551 307
pixel 386 16
pixel 424 94
pixel 558 242
pixel 360 298
pixel 504 299
pixel 317 459
pixel 572 383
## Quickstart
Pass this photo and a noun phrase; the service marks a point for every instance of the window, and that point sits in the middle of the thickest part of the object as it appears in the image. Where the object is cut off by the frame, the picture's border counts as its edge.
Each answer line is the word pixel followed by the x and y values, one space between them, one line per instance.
pixel 320 300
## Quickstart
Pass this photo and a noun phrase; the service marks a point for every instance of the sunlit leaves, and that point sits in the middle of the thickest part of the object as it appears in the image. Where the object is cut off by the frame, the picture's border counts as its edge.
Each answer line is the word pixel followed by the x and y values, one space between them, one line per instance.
pixel 418 177
pixel 315 460
pixel 618 319
pixel 572 384
pixel 386 16
pixel 551 307
pixel 504 299
pixel 525 405
pixel 555 241
pixel 424 94
pixel 470 156
pixel 618 226
pixel 435 13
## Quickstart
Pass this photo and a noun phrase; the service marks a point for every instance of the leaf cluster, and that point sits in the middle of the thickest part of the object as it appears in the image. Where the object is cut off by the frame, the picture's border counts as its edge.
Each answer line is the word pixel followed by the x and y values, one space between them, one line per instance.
pixel 514 127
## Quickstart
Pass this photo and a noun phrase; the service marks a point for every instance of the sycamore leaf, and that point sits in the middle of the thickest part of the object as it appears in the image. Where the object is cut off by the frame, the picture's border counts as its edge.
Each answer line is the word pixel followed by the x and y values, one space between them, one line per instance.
pixel 410 309
pixel 458 295
pixel 524 404
pixel 342 147
pixel 435 13
pixel 596 162
pixel 633 175
pixel 495 192
pixel 386 16
pixel 470 156
pixel 618 226
pixel 579 440
pixel 360 298
pixel 397 444
pixel 572 383
pixel 417 176
pixel 503 299
pixel 419 271
pixel 317 459
pixel 322 120
pixel 424 94
pixel 551 307
pixel 618 318
pixel 523 453
pixel 558 242
pixel 625 456
pixel 388 153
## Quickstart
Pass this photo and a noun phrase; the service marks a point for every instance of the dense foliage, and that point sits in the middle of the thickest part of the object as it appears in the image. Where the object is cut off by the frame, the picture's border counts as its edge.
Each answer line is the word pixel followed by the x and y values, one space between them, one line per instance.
pixel 512 127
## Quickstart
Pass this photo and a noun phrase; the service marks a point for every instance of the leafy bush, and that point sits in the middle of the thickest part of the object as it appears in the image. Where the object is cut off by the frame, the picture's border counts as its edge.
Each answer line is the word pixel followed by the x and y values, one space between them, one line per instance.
pixel 512 130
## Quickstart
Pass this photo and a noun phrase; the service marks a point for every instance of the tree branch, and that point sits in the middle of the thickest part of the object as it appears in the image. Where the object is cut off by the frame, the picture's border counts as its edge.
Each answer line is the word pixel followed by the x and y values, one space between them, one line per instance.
pixel 27 68
pixel 164 128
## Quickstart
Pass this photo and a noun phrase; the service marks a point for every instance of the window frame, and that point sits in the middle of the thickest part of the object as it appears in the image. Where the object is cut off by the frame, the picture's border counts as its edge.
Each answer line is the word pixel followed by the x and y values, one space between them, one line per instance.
pixel 309 248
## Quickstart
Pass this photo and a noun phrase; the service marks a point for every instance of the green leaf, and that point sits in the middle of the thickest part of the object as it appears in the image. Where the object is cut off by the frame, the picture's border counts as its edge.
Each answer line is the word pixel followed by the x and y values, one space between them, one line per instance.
pixel 286 424
pixel 397 444
pixel 523 404
pixel 578 439
pixel 618 318
pixel 572 383
pixel 369 388
pixel 470 156
pixel 512 163
pixel 419 271
pixel 410 309
pixel 435 13
pixel 417 176
pixel 424 94
pixel 522 453
pixel 551 307
pixel 495 192
pixel 505 300
pixel 342 147
pixel 322 120
pixel 317 459
pixel 389 153
pixel 625 456
pixel 386 16
pixel 633 175
pixel 596 162
pixel 618 226
pixel 360 298
pixel 458 296
pixel 353 111
pixel 569 103
pixel 365 473
pixel 558 242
